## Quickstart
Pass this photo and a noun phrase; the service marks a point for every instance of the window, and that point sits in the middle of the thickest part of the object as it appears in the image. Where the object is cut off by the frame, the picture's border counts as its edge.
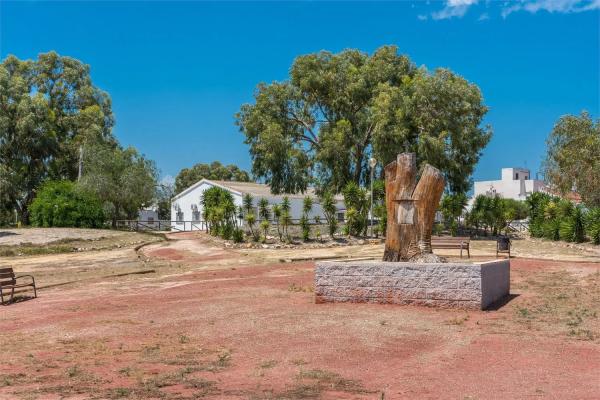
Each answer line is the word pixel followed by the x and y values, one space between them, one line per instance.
pixel 179 217
pixel 517 175
pixel 151 220
pixel 340 217
pixel 195 215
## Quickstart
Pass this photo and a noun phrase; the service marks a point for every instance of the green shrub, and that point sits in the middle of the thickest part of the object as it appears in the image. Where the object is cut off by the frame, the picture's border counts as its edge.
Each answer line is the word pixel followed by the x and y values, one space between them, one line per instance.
pixel 572 226
pixel 592 225
pixel 238 235
pixel 551 229
pixel 219 211
pixel 357 204
pixel 62 203
pixel 305 227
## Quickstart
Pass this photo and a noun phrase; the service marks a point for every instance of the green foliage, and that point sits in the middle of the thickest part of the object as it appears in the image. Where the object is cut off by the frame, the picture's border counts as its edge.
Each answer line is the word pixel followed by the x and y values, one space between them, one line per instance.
pixel 305 227
pixel 573 157
pixel 60 203
pixel 357 206
pixel 286 221
pixel 48 108
pixel 537 204
pixel 248 203
pixel 238 235
pixel 219 212
pixel 264 225
pixel 495 213
pixel 338 110
pixel 380 212
pixel 285 218
pixel 557 219
pixel 214 171
pixel 164 194
pixel 250 222
pixel 307 205
pixel 572 226
pixel 452 207
pixel 277 216
pixel 122 178
pixel 329 209
pixel 592 225
pixel 263 209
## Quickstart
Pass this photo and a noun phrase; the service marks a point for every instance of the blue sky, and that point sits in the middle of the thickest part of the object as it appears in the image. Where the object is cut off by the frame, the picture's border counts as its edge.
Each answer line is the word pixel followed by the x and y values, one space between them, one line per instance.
pixel 178 72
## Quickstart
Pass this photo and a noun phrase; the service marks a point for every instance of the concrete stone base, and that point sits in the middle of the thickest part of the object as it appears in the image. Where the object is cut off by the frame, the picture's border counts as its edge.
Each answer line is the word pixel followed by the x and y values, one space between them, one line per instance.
pixel 449 285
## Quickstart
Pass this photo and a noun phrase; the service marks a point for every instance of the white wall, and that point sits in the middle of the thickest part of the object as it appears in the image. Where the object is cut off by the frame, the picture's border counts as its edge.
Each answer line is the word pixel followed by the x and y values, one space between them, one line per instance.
pixel 149 218
pixel 194 196
pixel 510 187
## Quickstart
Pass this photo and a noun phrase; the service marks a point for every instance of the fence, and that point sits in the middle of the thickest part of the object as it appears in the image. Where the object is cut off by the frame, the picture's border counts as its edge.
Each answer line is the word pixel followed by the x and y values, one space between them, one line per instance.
pixel 161 225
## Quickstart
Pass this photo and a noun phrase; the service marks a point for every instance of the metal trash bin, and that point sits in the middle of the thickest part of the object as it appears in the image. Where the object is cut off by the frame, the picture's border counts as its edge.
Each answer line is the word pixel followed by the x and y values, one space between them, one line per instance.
pixel 503 243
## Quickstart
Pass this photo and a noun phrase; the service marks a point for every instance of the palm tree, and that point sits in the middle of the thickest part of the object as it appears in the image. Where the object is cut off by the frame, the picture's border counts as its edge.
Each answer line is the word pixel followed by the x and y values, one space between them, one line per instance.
pixel 276 208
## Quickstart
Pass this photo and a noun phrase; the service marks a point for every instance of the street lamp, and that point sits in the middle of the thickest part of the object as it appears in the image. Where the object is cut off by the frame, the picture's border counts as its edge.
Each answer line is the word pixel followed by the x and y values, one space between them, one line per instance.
pixel 372 164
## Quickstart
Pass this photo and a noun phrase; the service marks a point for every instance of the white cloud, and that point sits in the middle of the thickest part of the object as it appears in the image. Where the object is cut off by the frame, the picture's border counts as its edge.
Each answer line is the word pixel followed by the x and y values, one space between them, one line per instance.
pixel 454 8
pixel 422 17
pixel 552 6
pixel 483 17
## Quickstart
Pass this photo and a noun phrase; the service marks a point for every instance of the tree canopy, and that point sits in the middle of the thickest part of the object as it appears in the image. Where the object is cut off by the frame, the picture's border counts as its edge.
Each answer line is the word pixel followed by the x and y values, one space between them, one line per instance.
pixel 337 110
pixel 48 108
pixel 215 170
pixel 573 158
pixel 122 178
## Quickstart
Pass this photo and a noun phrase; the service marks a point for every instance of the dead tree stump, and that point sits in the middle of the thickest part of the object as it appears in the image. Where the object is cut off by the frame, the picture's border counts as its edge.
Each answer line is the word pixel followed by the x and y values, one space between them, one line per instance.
pixel 411 207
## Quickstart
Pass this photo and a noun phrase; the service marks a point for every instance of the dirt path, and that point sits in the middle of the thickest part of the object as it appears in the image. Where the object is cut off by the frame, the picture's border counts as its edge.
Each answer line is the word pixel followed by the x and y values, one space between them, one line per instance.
pixel 222 324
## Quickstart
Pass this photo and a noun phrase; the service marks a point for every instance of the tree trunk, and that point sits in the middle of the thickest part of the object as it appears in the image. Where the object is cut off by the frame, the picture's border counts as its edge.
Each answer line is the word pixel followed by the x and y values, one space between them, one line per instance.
pixel 411 207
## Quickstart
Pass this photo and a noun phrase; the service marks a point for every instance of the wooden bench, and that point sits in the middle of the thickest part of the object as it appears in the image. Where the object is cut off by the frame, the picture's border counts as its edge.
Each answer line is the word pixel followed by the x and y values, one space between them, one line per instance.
pixel 8 280
pixel 452 242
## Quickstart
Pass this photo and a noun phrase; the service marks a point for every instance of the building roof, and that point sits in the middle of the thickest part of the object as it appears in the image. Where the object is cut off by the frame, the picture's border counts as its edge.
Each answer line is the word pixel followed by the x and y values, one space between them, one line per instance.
pixel 253 188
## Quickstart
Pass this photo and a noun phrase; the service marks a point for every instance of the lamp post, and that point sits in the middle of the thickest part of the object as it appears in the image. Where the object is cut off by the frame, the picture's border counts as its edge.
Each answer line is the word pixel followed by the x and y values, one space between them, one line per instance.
pixel 372 164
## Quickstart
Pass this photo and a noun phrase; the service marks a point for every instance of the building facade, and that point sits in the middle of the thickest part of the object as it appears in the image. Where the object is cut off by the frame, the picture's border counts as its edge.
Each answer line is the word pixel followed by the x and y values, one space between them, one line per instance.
pixel 187 212
pixel 515 183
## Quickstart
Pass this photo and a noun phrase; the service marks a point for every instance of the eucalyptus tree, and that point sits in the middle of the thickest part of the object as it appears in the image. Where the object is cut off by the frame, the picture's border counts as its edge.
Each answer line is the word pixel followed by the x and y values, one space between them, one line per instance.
pixel 573 157
pixel 49 107
pixel 337 110
pixel 122 178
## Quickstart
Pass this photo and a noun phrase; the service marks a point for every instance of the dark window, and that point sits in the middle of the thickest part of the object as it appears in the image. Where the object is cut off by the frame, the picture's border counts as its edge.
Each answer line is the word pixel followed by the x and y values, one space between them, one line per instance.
pixel 196 215
pixel 517 175
pixel 340 217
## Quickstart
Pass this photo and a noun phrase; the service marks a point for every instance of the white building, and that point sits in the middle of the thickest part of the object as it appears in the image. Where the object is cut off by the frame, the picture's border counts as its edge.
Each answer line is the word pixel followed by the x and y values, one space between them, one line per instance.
pixel 187 212
pixel 148 217
pixel 516 183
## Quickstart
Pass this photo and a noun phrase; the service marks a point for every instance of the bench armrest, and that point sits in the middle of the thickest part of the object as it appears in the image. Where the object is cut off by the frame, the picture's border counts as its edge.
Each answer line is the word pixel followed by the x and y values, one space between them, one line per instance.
pixel 26 276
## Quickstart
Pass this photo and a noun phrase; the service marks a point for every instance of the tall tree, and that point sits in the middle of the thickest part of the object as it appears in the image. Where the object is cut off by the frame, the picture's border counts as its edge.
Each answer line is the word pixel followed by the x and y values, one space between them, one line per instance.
pixel 48 108
pixel 122 178
pixel 573 158
pixel 215 170
pixel 337 110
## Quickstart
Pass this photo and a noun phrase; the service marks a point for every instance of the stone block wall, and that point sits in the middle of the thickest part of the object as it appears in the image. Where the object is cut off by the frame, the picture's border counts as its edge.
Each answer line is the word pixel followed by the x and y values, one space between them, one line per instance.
pixel 456 285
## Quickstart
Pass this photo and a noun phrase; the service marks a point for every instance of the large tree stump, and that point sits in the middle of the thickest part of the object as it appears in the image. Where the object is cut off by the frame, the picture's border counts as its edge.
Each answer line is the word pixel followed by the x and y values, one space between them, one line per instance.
pixel 411 207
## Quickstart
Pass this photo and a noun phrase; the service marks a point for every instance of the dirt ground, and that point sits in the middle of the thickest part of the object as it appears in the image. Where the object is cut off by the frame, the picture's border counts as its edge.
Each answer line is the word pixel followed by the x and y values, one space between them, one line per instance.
pixel 11 237
pixel 238 324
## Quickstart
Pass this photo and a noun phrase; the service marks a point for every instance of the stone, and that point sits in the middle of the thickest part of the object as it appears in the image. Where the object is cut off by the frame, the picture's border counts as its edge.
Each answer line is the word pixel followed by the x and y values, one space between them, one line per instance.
pixel 450 285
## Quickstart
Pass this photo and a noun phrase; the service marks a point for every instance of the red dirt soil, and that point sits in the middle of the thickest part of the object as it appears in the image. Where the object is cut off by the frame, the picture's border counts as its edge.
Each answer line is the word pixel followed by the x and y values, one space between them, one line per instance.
pixel 254 332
